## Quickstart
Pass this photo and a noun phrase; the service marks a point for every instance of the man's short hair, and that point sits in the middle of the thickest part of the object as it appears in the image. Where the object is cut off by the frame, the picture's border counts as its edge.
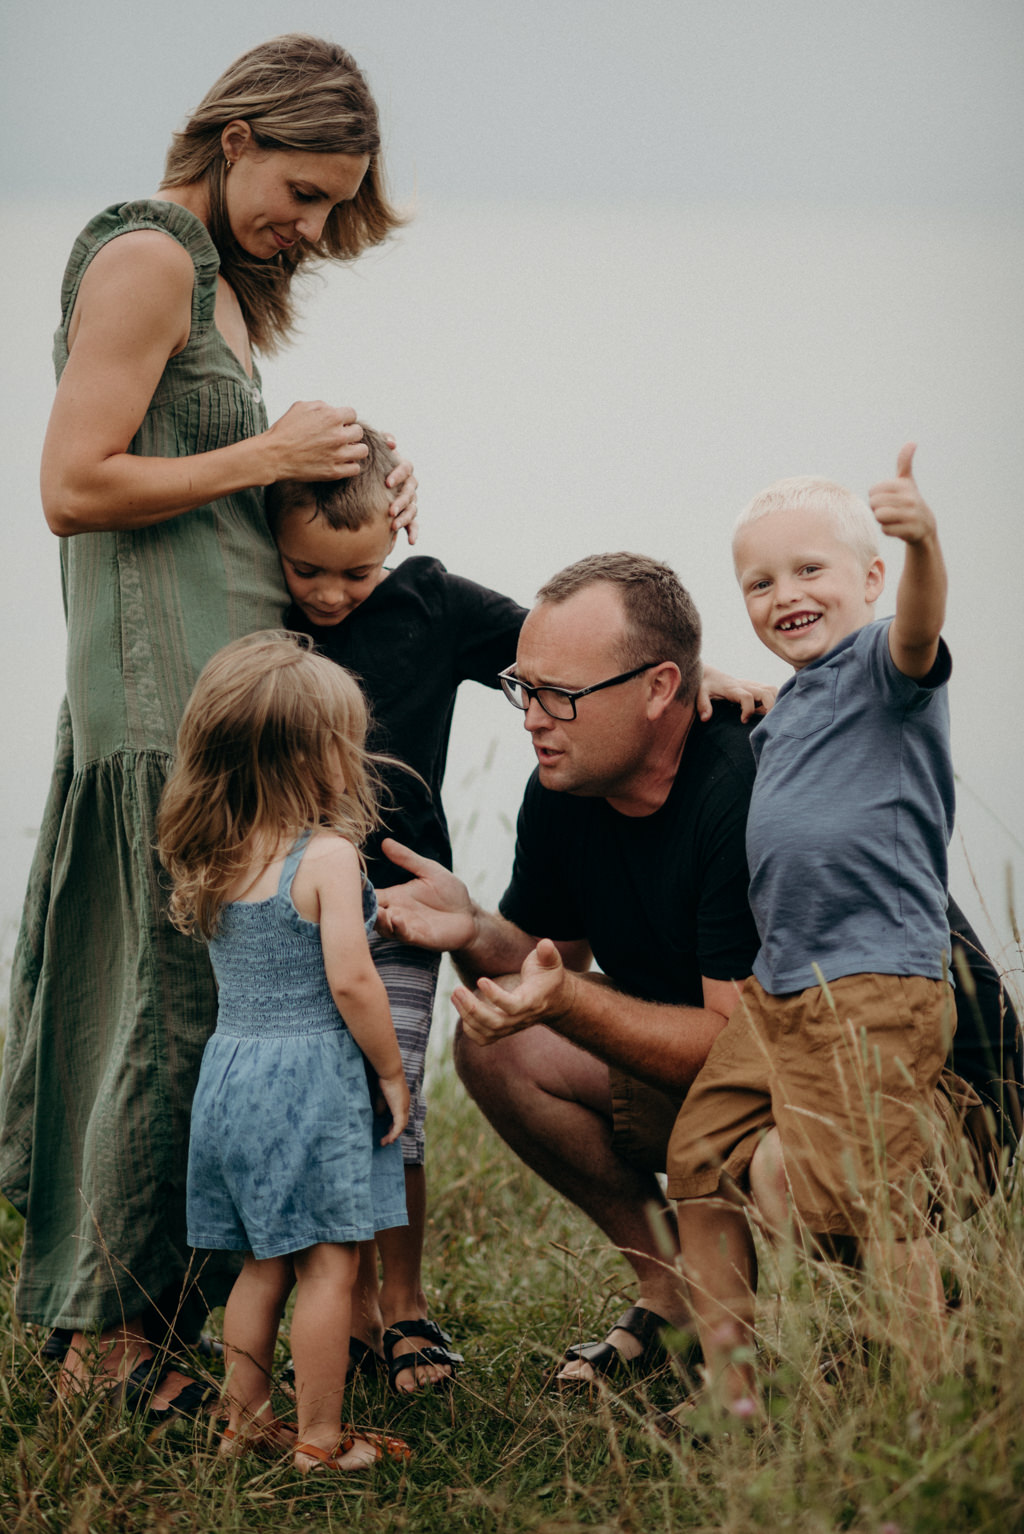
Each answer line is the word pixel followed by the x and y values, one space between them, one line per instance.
pixel 344 504
pixel 852 520
pixel 662 622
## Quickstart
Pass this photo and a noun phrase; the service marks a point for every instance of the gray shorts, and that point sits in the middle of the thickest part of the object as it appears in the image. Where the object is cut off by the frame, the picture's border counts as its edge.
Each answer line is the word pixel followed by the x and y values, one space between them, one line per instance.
pixel 410 979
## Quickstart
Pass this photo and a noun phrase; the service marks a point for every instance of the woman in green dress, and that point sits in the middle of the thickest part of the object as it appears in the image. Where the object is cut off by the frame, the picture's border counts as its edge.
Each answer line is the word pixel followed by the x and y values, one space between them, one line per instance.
pixel 153 467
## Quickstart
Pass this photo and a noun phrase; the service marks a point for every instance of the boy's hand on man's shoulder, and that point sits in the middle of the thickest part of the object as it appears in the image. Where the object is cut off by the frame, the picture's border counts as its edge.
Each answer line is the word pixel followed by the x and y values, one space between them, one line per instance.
pixel 898 504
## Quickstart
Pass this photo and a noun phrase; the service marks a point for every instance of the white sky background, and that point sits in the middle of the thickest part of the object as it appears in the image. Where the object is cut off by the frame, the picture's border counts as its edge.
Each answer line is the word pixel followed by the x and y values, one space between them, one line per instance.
pixel 663 252
pixel 899 103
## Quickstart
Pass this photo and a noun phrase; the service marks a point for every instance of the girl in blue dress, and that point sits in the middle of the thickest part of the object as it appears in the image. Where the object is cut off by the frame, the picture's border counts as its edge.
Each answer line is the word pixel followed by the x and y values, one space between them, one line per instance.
pixel 270 799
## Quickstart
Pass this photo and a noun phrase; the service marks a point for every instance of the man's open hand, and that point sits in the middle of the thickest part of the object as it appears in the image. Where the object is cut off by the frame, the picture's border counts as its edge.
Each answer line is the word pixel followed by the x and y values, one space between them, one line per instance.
pixel 433 910
pixel 542 992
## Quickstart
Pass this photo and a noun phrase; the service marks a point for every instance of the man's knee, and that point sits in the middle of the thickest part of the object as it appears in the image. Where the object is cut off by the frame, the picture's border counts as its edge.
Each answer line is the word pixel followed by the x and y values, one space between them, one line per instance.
pixel 481 1068
pixel 464 1053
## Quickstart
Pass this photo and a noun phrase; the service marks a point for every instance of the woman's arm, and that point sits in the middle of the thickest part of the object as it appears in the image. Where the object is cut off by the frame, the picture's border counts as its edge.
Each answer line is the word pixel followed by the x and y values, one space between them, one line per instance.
pixel 133 313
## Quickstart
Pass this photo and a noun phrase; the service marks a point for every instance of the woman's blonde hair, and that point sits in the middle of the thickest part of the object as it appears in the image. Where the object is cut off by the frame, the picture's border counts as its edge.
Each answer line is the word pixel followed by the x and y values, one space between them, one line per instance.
pixel 296 92
pixel 264 734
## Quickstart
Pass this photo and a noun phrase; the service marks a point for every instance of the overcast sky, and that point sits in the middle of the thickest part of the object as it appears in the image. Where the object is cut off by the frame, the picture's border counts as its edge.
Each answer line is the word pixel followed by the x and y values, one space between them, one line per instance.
pixel 909 103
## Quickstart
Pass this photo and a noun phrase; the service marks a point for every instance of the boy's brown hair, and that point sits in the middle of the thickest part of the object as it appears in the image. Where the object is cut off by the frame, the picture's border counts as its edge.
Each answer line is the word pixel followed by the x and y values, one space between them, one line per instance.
pixel 344 504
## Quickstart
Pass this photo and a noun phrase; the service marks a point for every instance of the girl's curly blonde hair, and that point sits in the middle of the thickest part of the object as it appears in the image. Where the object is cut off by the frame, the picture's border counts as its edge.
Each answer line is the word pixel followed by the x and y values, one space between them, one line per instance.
pixel 272 742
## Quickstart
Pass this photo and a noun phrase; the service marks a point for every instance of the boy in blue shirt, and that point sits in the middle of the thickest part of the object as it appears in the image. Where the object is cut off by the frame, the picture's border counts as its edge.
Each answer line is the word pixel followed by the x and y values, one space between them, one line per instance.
pixel 816 1095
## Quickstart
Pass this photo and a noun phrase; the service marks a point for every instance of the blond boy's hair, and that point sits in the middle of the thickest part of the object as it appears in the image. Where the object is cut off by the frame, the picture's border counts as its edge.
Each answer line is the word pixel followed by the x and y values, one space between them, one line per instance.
pixel 852 520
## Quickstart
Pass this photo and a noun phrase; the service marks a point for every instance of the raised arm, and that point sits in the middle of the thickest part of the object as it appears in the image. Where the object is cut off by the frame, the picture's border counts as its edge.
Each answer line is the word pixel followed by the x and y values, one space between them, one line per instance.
pixel 921 599
pixel 132 314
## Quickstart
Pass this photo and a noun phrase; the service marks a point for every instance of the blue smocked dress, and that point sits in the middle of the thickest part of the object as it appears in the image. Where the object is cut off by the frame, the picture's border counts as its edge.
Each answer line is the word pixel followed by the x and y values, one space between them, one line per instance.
pixel 285 1150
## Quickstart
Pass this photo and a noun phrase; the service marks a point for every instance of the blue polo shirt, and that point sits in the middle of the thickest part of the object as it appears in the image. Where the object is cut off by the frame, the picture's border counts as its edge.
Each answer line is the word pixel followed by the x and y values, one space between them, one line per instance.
pixel 850 819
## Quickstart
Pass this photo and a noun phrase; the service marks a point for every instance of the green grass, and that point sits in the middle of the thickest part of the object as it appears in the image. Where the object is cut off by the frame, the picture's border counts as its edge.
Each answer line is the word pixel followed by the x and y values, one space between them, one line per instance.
pixel 516 1275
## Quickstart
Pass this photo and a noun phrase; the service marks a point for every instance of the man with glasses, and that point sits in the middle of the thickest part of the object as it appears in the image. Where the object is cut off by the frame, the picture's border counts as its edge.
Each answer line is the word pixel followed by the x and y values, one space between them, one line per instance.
pixel 630 849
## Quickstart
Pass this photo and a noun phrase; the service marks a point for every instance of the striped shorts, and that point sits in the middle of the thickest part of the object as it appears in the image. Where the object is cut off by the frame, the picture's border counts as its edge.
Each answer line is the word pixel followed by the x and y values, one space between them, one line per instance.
pixel 410 979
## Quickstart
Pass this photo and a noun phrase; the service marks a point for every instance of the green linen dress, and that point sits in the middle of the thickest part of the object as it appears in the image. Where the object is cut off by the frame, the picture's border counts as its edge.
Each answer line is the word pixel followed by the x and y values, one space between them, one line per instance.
pixel 110 1007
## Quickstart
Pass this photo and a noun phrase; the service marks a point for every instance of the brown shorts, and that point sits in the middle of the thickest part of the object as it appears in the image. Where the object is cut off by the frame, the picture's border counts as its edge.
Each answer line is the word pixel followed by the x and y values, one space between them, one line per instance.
pixel 642 1120
pixel 847 1074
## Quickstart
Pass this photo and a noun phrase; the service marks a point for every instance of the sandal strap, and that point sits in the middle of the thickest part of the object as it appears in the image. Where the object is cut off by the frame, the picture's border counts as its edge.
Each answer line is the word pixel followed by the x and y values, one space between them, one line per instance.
pixel 604 1357
pixel 444 1357
pixel 385 1445
pixel 363 1359
pixel 424 1328
pixel 139 1387
pixel 323 1455
pixel 643 1324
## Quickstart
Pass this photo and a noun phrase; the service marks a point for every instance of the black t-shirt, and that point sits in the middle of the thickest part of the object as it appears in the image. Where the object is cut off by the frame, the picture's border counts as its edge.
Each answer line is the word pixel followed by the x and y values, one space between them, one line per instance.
pixel 415 638
pixel 662 898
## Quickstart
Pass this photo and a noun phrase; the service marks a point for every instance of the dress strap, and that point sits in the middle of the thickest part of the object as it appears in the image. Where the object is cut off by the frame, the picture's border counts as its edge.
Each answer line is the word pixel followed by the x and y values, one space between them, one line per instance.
pixel 291 864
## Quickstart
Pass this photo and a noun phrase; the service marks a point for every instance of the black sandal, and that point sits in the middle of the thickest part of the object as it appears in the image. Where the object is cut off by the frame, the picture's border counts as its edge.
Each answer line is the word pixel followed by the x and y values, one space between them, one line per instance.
pixel 608 1363
pixel 438 1351
pixel 144 1383
pixel 362 1359
pixel 55 1348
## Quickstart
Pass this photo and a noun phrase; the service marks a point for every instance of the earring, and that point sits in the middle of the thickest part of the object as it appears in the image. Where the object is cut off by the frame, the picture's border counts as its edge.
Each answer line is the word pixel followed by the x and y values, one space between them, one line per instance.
pixel 228 163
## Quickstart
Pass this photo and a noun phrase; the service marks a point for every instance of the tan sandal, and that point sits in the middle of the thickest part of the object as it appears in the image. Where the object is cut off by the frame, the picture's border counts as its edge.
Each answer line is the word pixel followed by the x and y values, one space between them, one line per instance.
pixel 384 1446
pixel 268 1440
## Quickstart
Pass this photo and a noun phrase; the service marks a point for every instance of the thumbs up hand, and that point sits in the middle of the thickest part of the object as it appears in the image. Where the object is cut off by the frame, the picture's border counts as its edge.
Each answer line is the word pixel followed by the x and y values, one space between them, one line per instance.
pixel 898 504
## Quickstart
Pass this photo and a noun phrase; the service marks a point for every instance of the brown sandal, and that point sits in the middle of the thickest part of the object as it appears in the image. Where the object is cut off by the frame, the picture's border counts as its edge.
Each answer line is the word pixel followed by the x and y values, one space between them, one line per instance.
pixel 384 1446
pixel 267 1440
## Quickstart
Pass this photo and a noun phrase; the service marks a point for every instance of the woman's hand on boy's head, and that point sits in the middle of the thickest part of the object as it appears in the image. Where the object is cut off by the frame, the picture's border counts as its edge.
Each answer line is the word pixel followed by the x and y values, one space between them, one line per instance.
pixel 313 440
pixel 898 505
pixel 403 509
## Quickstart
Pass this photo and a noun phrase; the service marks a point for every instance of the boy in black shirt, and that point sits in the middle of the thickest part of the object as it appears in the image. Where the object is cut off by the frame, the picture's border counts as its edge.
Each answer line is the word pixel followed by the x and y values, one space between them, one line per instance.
pixel 410 635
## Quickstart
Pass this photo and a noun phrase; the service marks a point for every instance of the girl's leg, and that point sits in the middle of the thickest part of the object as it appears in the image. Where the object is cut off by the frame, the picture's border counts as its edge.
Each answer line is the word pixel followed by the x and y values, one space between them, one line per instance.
pixel 251 1320
pixel 325 1275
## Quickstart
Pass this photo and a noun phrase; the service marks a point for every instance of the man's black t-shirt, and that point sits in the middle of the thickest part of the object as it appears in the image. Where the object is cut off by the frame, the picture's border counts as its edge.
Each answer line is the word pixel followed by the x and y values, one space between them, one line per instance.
pixel 662 898
pixel 411 643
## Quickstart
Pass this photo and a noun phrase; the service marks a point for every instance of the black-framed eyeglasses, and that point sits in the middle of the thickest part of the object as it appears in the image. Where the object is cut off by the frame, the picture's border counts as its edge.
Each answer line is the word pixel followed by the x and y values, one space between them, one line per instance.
pixel 558 702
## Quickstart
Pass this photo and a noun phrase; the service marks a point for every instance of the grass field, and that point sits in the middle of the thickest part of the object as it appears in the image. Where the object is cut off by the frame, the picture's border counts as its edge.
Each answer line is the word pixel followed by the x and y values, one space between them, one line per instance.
pixel 516 1277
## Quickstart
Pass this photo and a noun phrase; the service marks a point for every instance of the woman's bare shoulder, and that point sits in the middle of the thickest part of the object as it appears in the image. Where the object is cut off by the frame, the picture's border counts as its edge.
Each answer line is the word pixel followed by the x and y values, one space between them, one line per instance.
pixel 144 257
pixel 141 282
